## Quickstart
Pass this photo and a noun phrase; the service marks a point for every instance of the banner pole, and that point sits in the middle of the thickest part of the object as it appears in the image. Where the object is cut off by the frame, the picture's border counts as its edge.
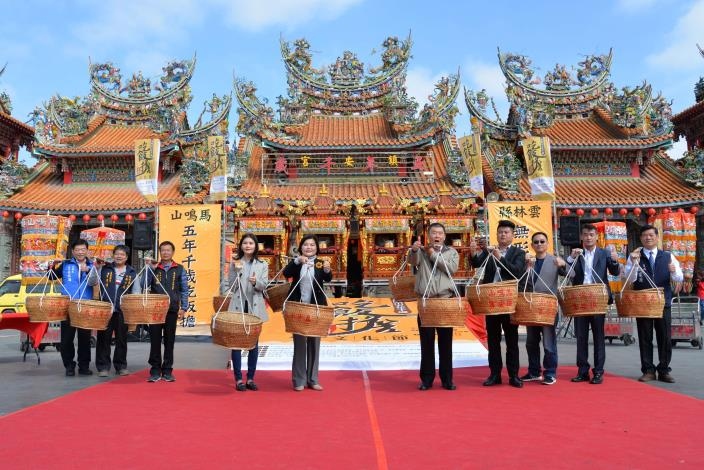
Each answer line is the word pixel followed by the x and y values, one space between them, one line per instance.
pixel 223 226
pixel 554 225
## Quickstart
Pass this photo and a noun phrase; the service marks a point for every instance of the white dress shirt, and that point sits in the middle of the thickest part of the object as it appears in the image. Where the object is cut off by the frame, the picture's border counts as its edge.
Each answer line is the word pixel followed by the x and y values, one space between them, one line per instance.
pixel 677 276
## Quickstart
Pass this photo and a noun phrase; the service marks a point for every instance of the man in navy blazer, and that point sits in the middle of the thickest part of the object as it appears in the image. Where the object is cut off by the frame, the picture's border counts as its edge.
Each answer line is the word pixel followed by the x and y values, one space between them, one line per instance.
pixel 591 268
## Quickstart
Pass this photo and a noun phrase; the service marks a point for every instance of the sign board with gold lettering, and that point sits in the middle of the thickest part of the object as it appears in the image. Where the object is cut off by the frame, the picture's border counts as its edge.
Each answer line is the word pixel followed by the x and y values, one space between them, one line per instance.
pixel 529 216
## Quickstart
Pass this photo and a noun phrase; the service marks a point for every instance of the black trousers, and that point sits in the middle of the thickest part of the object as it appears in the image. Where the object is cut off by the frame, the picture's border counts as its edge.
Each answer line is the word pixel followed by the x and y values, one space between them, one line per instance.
pixel 427 354
pixel 102 347
pixel 581 330
pixel 663 335
pixel 169 333
pixel 68 333
pixel 494 325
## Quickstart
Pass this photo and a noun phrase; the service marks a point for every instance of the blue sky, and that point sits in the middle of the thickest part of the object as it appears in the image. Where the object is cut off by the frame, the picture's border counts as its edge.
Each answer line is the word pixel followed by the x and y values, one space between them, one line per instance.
pixel 47 43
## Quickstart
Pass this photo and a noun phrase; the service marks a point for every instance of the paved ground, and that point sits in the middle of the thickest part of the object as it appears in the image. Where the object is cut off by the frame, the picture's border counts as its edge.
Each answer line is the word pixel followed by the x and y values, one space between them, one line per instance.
pixel 27 383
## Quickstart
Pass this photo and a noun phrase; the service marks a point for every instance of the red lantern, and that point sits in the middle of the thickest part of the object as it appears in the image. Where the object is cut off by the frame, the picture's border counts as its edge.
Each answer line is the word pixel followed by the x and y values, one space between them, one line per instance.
pixel 6 214
pixel 666 211
pixel 651 212
pixel 114 217
pixel 100 217
pixel 228 208
pixel 623 212
pixel 594 212
pixel 142 216
pixel 580 212
pixel 475 207
pixel 694 209
pixel 608 211
pixel 86 218
pixel 72 218
pixel 18 215
pixel 129 217
pixel 637 211
pixel 680 211
pixel 566 212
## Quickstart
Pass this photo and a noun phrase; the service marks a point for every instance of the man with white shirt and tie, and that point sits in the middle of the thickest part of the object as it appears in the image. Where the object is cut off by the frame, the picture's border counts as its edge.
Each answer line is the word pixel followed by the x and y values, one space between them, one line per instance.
pixel 662 268
pixel 591 268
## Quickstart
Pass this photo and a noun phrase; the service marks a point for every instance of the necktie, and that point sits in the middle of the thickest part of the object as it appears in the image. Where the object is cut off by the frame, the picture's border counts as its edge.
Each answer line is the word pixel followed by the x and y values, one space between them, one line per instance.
pixel 651 260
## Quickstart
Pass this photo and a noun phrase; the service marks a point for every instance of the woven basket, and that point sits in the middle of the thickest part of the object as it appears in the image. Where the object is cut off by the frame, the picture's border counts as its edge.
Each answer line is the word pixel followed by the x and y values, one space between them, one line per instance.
pixel 89 314
pixel 496 298
pixel 221 303
pixel 47 308
pixel 587 299
pixel 139 309
pixel 308 319
pixel 276 295
pixel 535 309
pixel 442 312
pixel 646 303
pixel 235 330
pixel 403 288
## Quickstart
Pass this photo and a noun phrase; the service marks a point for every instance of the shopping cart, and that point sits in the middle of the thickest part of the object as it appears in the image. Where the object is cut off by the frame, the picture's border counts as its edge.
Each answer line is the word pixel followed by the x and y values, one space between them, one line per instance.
pixel 685 321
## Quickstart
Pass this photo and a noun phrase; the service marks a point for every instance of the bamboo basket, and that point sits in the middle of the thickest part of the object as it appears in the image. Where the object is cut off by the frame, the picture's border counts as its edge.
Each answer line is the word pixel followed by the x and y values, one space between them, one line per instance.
pixel 446 312
pixel 583 300
pixel 221 303
pixel 403 288
pixel 645 303
pixel 308 319
pixel 535 309
pixel 496 298
pixel 46 308
pixel 235 330
pixel 276 295
pixel 89 314
pixel 141 309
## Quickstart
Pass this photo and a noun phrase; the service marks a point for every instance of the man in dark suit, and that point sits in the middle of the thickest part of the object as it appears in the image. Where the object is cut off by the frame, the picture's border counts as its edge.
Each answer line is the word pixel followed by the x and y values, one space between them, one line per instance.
pixel 661 267
pixel 591 268
pixel 513 259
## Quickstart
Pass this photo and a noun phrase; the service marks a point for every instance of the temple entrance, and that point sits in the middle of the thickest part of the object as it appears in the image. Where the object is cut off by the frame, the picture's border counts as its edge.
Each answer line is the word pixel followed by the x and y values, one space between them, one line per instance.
pixel 355 273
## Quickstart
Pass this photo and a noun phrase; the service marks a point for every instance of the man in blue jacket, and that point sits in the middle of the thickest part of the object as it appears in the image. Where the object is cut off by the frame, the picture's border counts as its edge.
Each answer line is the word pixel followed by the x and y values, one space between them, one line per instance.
pixel 74 275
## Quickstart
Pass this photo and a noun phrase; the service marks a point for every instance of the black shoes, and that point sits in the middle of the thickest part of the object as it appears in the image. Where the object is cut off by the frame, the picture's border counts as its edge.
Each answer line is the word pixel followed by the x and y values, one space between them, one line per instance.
pixel 252 386
pixel 422 386
pixel 154 377
pixel 241 387
pixel 580 378
pixel 515 382
pixel 492 380
pixel 70 372
pixel 597 379
pixel 449 386
pixel 85 372
pixel 168 377
pixel 666 377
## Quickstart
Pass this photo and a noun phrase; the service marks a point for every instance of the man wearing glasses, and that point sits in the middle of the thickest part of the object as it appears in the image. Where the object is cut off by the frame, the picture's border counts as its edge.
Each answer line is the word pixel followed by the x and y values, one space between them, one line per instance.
pixel 543 279
pixel 591 268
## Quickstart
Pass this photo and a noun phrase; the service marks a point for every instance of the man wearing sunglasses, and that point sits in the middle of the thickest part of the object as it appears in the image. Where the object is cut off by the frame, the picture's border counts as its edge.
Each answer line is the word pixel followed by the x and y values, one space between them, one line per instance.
pixel 543 279
pixel 591 268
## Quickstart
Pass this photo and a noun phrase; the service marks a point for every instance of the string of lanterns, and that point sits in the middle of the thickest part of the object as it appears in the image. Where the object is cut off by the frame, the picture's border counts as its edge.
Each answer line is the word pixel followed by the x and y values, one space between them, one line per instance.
pixel 623 212
pixel 114 218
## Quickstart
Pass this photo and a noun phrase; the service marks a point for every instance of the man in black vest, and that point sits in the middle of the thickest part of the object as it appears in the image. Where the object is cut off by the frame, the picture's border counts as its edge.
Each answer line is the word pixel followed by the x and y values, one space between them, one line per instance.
pixel 662 267
pixel 514 260
pixel 169 278
pixel 590 269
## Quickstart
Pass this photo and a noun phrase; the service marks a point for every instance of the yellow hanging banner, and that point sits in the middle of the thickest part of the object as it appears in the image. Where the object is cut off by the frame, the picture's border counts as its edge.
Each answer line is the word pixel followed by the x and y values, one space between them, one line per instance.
pixel 471 150
pixel 529 216
pixel 536 151
pixel 217 156
pixel 195 231
pixel 146 167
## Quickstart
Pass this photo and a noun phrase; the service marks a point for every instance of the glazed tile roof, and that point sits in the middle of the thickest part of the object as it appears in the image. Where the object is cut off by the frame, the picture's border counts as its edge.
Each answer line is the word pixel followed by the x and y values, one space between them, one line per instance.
pixel 692 111
pixel 658 185
pixel 597 130
pixel 46 192
pixel 367 131
pixel 17 124
pixel 252 187
pixel 101 138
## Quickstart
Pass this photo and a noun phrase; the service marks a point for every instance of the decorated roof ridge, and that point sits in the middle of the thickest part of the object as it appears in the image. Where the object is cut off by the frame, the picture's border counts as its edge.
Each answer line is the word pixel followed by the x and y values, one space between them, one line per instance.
pixel 106 80
pixel 476 105
pixel 593 73
pixel 441 110
pixel 347 74
pixel 220 112
pixel 701 51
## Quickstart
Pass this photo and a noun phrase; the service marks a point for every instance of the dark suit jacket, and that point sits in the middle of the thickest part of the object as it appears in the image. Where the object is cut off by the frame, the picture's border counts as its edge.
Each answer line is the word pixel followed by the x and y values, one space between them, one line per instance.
pixel 293 271
pixel 514 260
pixel 601 263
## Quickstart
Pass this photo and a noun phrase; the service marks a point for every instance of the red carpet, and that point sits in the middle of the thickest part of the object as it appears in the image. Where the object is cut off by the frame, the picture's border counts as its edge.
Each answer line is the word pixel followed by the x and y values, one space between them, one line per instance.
pixel 200 421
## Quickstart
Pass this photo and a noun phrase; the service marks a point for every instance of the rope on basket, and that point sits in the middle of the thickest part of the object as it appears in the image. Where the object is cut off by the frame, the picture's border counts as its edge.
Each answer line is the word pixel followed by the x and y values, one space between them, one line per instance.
pixel 271 281
pixel 235 283
pixel 452 281
pixel 569 271
pixel 311 273
pixel 404 263
pixel 482 268
pixel 525 285
pixel 635 267
pixel 46 278
pixel 93 269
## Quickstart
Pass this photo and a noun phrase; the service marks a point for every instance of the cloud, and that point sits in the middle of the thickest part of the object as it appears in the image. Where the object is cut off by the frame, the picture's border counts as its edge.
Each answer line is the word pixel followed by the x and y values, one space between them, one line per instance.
pixel 255 15
pixel 680 52
pixel 678 148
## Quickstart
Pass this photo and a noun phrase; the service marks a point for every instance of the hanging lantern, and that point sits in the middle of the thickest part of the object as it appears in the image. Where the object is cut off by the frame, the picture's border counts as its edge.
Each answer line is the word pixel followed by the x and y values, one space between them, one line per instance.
pixel 475 207
pixel 680 211
pixel 72 218
pixel 18 215
pixel 566 212
pixel 86 218
pixel 142 216
pixel 666 211
pixel 608 211
pixel 580 212
pixel 100 217
pixel 6 214
pixel 129 218
pixel 228 208
pixel 623 212
pixel 114 217
pixel 637 211
pixel 651 212
pixel 594 212
pixel 694 209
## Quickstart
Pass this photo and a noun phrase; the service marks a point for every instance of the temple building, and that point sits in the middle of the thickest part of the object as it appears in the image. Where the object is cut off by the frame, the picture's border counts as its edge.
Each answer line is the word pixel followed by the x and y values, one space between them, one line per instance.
pixel 350 157
pixel 608 146
pixel 85 148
